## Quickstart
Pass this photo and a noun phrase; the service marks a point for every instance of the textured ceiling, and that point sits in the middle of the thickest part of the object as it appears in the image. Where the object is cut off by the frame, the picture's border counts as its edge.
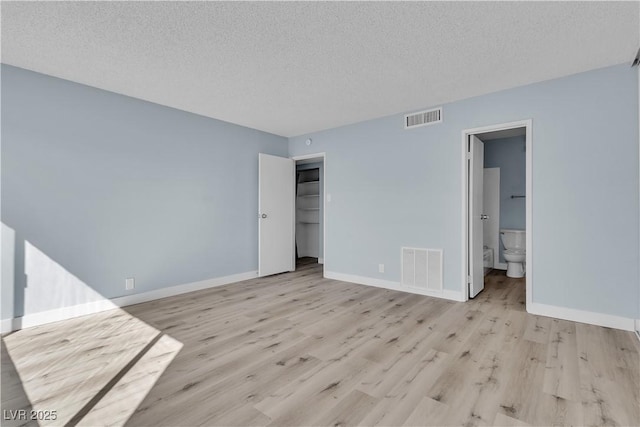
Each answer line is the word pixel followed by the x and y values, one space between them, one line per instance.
pixel 293 68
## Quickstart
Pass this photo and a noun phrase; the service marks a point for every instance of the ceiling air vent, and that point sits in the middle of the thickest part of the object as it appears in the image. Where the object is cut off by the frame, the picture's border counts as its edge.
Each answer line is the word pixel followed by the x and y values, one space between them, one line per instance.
pixel 423 118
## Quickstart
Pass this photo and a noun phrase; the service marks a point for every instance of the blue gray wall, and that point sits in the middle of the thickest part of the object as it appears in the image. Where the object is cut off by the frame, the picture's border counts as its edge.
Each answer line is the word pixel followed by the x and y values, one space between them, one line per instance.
pixel 510 156
pixel 107 187
pixel 392 187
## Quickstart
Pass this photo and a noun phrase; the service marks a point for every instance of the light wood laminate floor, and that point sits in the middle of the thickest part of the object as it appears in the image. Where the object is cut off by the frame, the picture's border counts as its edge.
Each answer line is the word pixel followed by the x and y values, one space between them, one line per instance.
pixel 296 349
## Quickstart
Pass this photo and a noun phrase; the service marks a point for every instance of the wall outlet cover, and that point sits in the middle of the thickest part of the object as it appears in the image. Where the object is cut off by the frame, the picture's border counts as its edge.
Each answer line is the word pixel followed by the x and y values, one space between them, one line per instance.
pixel 380 268
pixel 130 283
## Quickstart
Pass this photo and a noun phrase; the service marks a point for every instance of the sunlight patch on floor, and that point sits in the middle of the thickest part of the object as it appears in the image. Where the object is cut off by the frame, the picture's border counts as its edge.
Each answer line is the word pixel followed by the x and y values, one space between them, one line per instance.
pixel 78 359
pixel 123 399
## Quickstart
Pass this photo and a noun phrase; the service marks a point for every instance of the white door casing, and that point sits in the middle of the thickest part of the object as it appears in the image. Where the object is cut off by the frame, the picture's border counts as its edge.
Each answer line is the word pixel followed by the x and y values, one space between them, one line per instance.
pixel 465 169
pixel 326 198
pixel 476 214
pixel 276 191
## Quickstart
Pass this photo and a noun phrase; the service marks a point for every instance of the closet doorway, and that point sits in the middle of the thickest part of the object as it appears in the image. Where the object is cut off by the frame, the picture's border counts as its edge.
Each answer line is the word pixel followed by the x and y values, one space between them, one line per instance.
pixel 310 176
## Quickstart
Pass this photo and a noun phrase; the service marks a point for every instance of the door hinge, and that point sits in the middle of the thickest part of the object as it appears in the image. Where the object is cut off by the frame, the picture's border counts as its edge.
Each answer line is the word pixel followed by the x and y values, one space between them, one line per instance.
pixel 469 280
pixel 468 156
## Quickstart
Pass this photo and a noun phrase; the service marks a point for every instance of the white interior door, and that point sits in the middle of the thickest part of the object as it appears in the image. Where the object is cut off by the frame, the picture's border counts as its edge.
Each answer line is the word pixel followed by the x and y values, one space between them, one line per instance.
pixel 491 208
pixel 276 192
pixel 476 215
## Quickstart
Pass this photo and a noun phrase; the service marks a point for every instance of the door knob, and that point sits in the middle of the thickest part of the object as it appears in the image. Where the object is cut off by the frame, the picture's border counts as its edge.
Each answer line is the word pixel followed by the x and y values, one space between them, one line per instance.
pixel 263 215
pixel 483 216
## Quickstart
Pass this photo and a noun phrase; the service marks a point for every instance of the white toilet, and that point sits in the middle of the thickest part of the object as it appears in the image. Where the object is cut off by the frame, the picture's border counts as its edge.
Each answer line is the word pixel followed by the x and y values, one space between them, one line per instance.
pixel 514 242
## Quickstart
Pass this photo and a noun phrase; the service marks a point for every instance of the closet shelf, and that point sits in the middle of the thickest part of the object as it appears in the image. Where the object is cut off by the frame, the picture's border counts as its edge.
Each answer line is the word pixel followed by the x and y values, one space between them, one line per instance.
pixel 308 202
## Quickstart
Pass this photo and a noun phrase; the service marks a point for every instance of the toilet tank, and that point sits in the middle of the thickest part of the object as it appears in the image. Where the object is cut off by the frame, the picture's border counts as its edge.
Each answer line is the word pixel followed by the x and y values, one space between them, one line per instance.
pixel 513 239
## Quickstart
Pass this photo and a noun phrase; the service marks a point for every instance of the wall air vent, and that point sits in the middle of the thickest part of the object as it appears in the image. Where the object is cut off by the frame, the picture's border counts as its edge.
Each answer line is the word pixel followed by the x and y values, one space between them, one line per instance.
pixel 422 269
pixel 423 118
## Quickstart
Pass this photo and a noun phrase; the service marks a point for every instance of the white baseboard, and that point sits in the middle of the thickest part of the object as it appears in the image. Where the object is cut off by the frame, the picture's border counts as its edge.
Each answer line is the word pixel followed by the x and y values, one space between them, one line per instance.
pixel 9 325
pixel 394 286
pixel 6 325
pixel 598 319
pixel 183 289
pixel 637 328
pixel 320 260
pixel 453 295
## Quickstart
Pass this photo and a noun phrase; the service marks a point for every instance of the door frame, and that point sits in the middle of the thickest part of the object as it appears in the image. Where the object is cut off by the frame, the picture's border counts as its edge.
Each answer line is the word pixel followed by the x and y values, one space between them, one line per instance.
pixel 637 320
pixel 318 156
pixel 527 124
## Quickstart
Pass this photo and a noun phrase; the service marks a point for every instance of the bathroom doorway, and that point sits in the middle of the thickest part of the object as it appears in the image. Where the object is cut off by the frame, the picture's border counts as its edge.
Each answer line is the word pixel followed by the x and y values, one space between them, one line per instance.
pixel 497 205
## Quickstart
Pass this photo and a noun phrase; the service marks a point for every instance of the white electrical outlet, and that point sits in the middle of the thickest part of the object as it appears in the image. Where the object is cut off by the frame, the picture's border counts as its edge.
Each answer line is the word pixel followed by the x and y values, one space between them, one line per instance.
pixel 380 268
pixel 129 283
pixel 328 197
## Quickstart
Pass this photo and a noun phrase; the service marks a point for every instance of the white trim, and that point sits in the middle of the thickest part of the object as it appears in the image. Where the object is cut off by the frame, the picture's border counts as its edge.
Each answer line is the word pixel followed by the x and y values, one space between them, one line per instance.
pixel 322 156
pixel 529 214
pixel 308 156
pixel 637 326
pixel 452 295
pixel 527 124
pixel 589 317
pixel 464 168
pixel 6 325
pixel 500 265
pixel 259 211
pixel 64 313
pixel 294 211
pixel 394 286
